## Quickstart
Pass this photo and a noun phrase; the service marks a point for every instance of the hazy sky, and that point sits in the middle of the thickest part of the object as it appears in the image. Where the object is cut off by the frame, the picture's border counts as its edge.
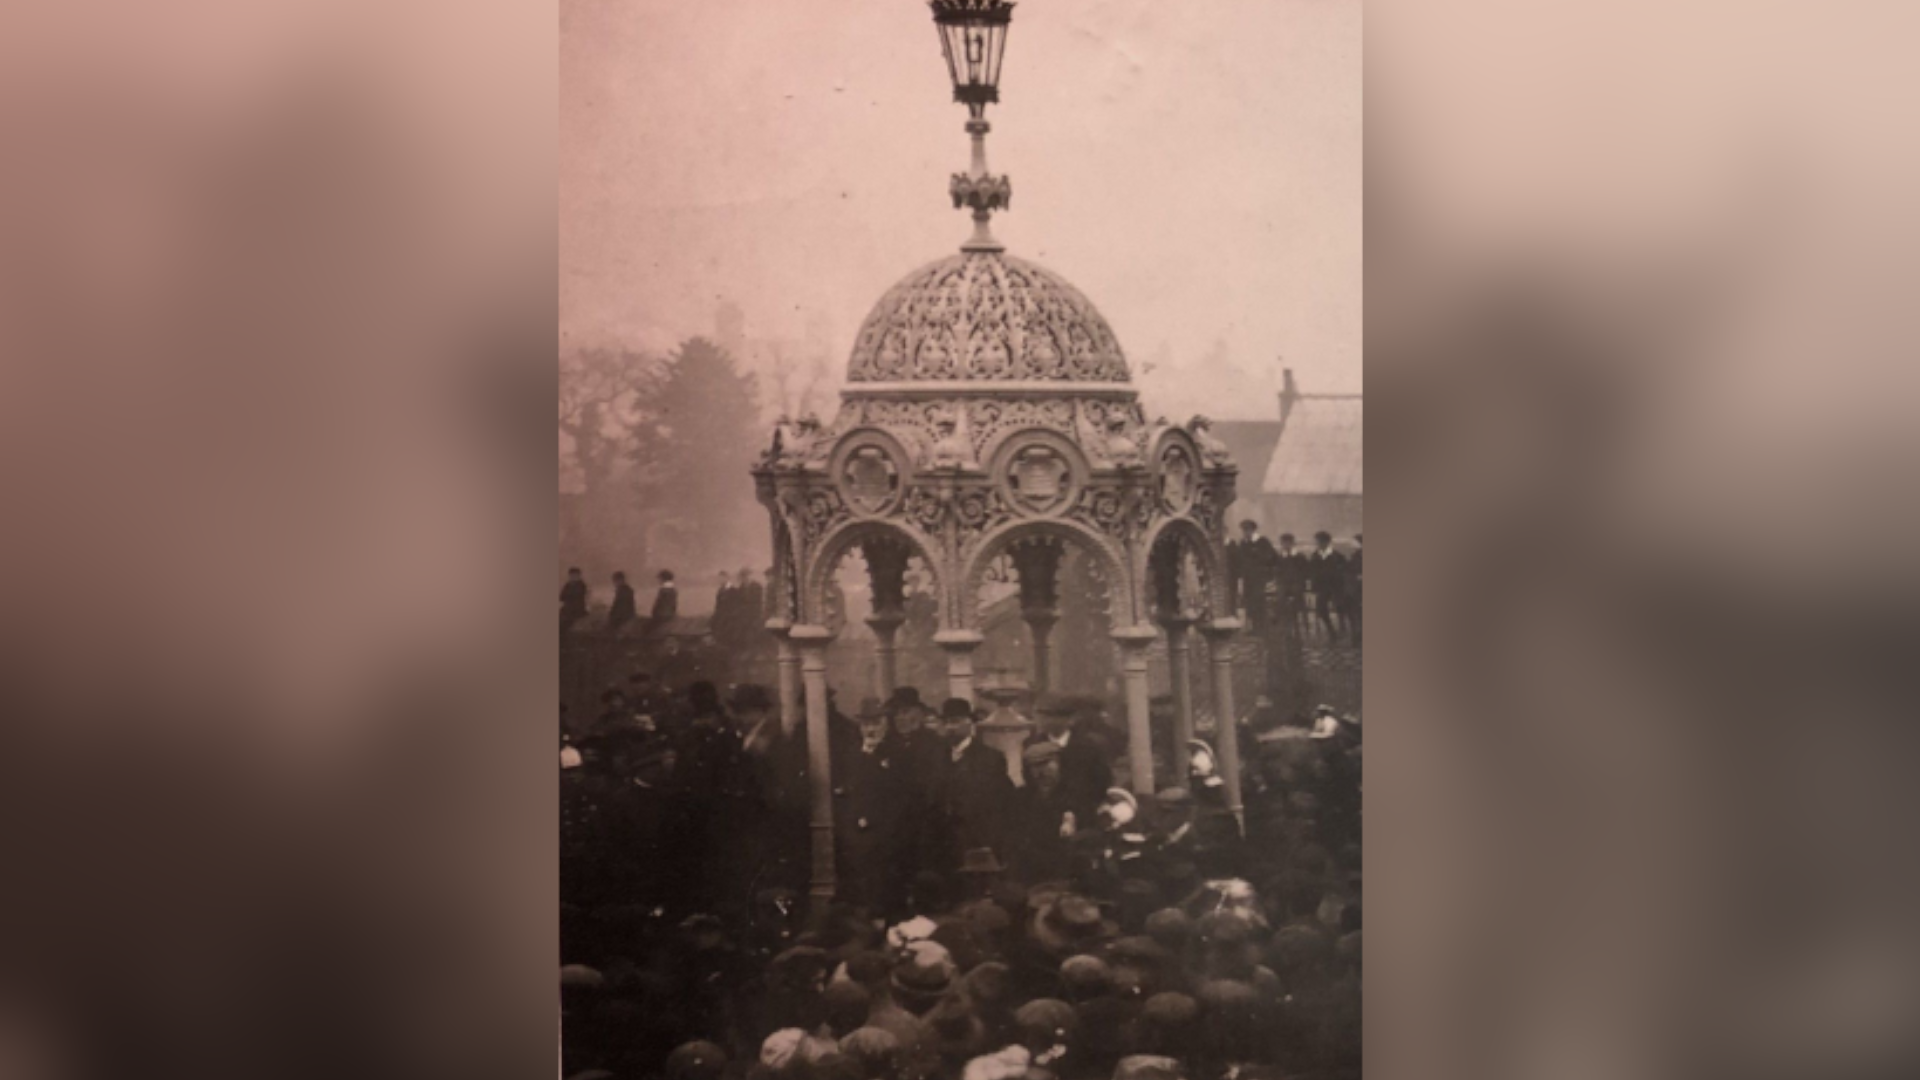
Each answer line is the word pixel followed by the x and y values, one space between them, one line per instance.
pixel 1194 168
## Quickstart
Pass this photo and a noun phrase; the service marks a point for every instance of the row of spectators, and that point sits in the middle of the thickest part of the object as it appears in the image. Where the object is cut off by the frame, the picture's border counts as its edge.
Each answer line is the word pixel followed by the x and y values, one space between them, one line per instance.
pixel 1312 591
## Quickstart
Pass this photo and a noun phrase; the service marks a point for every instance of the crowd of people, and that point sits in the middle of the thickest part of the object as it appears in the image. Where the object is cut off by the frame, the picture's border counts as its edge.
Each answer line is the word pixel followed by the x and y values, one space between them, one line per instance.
pixel 736 614
pixel 1312 592
pixel 1057 928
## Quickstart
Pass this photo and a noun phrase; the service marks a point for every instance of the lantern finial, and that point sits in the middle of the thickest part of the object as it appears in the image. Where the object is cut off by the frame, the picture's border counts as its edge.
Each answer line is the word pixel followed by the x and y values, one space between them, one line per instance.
pixel 973 35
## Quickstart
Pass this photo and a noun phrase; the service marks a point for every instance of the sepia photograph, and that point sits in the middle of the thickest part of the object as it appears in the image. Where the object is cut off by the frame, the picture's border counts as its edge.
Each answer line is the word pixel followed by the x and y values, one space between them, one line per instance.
pixel 961 657
pixel 959 620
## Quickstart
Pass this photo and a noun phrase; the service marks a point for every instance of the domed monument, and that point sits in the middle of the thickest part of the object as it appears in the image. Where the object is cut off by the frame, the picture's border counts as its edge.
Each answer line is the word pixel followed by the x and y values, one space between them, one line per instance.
pixel 989 419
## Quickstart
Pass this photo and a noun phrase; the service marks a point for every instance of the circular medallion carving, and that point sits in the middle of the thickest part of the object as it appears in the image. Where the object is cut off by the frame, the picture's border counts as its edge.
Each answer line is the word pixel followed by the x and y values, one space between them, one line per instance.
pixel 869 479
pixel 1039 479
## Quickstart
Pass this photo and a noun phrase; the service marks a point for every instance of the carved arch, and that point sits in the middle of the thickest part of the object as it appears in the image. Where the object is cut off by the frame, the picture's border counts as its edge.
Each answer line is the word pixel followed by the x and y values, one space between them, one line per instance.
pixel 835 545
pixel 1112 558
pixel 1183 535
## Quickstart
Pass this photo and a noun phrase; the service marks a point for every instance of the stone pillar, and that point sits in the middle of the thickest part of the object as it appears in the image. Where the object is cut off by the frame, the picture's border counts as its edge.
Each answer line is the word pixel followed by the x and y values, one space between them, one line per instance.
pixel 886 629
pixel 1220 634
pixel 1040 622
pixel 812 642
pixel 789 672
pixel 959 645
pixel 1180 670
pixel 1134 641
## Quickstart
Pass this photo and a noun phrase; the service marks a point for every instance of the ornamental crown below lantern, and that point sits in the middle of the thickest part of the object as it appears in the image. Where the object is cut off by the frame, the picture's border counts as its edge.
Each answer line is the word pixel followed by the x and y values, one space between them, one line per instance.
pixel 973 37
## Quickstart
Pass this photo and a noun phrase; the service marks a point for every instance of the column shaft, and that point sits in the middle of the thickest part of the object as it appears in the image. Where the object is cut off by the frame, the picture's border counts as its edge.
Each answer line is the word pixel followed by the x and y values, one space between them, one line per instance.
pixel 1134 643
pixel 812 643
pixel 1226 725
pixel 1040 627
pixel 1180 669
pixel 886 632
pixel 788 668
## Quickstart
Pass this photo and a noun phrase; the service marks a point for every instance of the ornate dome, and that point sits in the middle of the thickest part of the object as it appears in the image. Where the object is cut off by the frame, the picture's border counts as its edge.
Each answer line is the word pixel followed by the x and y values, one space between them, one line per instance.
pixel 982 316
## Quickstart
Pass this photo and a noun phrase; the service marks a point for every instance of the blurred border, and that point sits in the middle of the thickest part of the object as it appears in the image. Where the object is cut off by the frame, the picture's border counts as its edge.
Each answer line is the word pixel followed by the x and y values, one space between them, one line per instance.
pixel 274 337
pixel 1638 326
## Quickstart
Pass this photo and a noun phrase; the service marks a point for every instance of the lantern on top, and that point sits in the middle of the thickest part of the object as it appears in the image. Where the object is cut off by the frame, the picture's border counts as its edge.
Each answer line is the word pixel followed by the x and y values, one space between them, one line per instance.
pixel 973 35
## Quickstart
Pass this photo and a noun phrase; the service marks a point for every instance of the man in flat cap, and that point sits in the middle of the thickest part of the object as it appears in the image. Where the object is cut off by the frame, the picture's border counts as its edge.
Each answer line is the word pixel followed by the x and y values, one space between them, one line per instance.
pixel 1327 575
pixel 1086 765
pixel 1290 580
pixel 1045 821
pixel 1251 563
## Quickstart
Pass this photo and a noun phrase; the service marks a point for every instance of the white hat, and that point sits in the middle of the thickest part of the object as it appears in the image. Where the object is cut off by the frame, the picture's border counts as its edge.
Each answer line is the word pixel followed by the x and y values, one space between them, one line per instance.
pixel 1326 727
pixel 918 928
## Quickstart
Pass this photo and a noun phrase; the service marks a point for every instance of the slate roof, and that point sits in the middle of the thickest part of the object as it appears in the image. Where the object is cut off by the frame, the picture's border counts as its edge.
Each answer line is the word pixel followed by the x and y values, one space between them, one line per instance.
pixel 1251 443
pixel 1319 449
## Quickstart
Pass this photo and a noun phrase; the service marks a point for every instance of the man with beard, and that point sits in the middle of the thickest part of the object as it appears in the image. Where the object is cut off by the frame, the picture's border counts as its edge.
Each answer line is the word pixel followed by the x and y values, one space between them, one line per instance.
pixel 975 789
pixel 869 811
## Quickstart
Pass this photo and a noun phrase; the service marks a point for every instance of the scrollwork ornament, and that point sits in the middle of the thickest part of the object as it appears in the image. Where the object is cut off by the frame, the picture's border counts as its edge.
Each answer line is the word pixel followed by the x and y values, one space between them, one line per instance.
pixel 926 508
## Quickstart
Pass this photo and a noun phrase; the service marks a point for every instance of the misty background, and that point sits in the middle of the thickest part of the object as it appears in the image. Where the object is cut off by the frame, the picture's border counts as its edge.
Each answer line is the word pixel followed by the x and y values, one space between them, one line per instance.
pixel 758 176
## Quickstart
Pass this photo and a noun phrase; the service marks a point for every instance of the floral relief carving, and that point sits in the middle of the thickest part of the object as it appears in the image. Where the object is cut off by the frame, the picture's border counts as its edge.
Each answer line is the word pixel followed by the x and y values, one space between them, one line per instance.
pixel 985 316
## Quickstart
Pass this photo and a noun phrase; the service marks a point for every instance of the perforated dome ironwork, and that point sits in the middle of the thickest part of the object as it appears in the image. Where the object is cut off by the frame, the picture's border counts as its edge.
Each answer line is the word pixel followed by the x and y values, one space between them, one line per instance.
pixel 983 316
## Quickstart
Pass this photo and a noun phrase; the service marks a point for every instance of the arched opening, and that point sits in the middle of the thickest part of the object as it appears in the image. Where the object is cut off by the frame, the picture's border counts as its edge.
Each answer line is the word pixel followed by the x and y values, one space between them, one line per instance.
pixel 1187 590
pixel 1045 598
pixel 1182 590
pixel 875 589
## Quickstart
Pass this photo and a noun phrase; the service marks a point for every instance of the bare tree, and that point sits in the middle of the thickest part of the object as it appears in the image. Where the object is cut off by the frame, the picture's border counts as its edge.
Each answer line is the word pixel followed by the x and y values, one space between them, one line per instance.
pixel 602 398
pixel 603 402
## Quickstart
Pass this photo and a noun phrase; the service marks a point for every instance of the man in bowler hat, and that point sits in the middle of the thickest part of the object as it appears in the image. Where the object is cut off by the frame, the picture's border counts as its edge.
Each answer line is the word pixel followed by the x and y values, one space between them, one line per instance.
pixel 975 788
pixel 871 794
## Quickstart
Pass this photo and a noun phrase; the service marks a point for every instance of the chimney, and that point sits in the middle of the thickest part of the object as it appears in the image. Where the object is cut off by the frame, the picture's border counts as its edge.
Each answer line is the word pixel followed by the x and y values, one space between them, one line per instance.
pixel 1289 393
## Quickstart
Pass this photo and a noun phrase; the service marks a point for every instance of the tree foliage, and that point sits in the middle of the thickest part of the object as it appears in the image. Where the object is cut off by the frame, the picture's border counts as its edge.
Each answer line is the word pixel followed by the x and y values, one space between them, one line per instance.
pixel 691 452
pixel 656 452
